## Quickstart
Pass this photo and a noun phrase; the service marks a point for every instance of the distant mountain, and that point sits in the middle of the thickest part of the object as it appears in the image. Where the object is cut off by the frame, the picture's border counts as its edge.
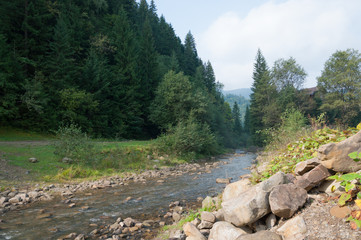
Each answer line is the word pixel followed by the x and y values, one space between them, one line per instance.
pixel 245 92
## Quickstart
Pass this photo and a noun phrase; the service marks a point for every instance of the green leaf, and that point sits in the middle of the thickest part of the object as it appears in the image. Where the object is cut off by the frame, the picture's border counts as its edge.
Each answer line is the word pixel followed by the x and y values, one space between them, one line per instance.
pixel 353 155
pixel 349 187
pixel 350 176
pixel 334 177
pixel 343 199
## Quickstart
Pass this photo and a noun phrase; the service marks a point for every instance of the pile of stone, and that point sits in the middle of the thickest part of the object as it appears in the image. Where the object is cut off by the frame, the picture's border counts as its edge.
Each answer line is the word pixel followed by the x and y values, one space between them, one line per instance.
pixel 11 199
pixel 269 209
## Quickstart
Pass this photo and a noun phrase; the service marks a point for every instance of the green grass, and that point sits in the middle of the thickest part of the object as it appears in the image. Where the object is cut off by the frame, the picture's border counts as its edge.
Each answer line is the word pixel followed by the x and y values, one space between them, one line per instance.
pixel 12 134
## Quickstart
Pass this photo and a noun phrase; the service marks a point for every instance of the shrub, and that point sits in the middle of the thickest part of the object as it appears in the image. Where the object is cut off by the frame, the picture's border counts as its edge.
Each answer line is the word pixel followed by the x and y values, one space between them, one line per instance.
pixel 73 143
pixel 188 137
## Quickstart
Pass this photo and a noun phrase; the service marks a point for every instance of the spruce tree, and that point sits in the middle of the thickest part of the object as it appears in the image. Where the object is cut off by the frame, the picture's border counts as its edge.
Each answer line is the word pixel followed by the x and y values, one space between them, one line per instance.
pixel 261 97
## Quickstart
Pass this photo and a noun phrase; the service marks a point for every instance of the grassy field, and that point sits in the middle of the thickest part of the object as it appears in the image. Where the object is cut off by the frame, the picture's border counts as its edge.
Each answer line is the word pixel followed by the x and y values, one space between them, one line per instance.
pixel 106 157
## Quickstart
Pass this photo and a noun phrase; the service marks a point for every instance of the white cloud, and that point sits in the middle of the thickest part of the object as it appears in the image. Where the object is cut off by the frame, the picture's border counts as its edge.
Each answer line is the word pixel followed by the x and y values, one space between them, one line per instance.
pixel 308 30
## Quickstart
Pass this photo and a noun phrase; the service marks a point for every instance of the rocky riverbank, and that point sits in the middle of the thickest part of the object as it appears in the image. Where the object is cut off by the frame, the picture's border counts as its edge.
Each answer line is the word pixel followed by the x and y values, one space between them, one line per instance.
pixel 297 206
pixel 14 198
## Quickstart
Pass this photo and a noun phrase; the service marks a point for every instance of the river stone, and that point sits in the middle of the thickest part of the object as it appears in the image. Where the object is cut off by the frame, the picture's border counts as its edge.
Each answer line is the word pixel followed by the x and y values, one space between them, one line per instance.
pixel 293 229
pixel 208 203
pixel 3 200
pixel 219 215
pixel 205 225
pixel 223 180
pixel 261 235
pixel 335 155
pixel 235 189
pixel 129 222
pixel 80 237
pixel 253 204
pixel 312 178
pixel 271 221
pixel 176 216
pixel 286 199
pixel 196 222
pixel 192 232
pixel 208 216
pixel 226 231
pixel 15 199
pixel 305 166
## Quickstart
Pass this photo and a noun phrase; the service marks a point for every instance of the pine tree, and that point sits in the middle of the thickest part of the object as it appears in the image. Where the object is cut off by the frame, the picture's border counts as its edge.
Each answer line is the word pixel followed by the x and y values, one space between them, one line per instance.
pixel 127 83
pixel 261 97
pixel 236 114
pixel 191 61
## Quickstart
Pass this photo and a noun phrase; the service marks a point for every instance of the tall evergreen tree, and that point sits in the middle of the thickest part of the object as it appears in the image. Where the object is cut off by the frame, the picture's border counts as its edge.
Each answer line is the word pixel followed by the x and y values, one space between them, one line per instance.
pixel 129 122
pixel 262 94
pixel 236 114
pixel 191 61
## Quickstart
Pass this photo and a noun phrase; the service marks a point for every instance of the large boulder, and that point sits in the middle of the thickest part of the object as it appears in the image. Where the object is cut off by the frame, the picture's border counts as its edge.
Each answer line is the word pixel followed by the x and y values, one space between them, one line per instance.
pixel 233 190
pixel 226 231
pixel 252 204
pixel 261 235
pixel 312 178
pixel 335 155
pixel 286 199
pixel 192 232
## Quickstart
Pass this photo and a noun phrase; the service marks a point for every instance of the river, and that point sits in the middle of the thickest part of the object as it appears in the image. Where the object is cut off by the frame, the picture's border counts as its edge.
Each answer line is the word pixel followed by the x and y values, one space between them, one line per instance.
pixel 52 219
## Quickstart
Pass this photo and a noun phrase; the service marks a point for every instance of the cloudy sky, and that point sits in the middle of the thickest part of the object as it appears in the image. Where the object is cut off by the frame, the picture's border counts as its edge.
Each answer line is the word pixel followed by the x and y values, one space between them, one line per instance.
pixel 228 33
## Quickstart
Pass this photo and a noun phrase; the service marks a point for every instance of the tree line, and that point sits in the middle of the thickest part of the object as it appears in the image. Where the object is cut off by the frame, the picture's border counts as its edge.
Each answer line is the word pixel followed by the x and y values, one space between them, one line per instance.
pixel 113 67
pixel 278 90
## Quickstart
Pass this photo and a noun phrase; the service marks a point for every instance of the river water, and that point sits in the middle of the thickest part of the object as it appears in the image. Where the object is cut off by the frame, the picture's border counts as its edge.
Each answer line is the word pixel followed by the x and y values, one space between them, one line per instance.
pixel 52 219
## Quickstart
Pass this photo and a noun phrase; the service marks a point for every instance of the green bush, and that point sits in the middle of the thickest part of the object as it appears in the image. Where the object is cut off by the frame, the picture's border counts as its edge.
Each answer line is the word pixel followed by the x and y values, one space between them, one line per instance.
pixel 73 143
pixel 293 126
pixel 188 137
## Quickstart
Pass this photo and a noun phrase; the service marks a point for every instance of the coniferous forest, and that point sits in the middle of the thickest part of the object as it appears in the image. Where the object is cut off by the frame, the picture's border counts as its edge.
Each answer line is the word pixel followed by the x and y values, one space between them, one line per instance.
pixel 116 69
pixel 112 67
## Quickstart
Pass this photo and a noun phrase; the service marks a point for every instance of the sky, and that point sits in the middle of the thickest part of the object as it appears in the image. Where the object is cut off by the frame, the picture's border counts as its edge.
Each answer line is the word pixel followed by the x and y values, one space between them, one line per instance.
pixel 228 33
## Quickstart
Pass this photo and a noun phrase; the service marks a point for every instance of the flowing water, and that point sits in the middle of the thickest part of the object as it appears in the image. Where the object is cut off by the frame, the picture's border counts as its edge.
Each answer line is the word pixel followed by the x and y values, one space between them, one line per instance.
pixel 52 219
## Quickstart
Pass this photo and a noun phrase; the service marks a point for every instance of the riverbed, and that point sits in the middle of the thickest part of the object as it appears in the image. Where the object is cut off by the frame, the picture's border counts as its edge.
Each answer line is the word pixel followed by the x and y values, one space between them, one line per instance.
pixel 55 218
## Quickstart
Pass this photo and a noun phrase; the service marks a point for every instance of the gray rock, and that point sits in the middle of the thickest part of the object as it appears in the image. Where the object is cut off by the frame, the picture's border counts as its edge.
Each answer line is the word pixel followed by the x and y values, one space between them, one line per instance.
pixel 223 180
pixel 129 222
pixel 208 216
pixel 15 199
pixel 226 231
pixel 286 199
pixel 335 155
pixel 253 204
pixel 67 160
pixel 176 216
pixel 192 232
pixel 262 235
pixel 196 222
pixel 312 178
pixel 34 194
pixel 271 221
pixel 208 202
pixel 205 225
pixel 233 190
pixel 219 215
pixel 33 160
pixel 293 229
pixel 305 166
pixel 3 200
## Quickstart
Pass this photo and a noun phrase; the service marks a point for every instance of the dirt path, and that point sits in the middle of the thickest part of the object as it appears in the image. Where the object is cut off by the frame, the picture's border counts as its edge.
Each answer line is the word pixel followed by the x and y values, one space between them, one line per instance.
pixel 22 143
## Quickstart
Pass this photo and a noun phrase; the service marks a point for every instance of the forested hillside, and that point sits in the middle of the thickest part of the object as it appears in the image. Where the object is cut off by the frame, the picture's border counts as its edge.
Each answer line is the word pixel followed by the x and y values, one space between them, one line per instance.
pixel 113 67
